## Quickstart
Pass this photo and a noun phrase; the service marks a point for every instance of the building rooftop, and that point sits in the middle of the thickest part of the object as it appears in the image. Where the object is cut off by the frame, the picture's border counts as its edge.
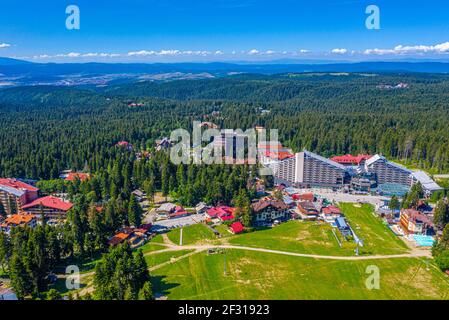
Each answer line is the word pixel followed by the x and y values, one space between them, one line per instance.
pixel 262 204
pixel 16 184
pixel 18 219
pixel 325 160
pixel 237 227
pixel 378 157
pixel 72 176
pixel 50 202
pixel 426 181
pixel 350 159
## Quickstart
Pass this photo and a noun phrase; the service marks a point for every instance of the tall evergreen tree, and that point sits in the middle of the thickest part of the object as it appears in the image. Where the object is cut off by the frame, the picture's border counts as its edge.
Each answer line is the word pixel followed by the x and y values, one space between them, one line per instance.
pixel 134 212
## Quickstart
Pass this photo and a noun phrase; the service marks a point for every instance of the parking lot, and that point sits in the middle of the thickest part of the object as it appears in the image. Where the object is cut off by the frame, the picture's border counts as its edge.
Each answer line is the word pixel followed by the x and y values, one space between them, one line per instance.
pixel 345 197
pixel 179 222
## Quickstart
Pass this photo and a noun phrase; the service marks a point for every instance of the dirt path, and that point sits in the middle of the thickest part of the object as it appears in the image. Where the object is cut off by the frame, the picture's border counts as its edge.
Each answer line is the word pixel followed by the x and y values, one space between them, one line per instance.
pixel 414 254
pixel 167 240
pixel 171 247
pixel 174 260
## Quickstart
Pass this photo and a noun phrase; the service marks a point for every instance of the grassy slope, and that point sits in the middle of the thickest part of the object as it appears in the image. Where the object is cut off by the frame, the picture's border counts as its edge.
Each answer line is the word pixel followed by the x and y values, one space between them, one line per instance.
pixel 314 238
pixel 158 258
pixel 254 275
pixel 192 234
pixel 377 237
pixel 150 247
pixel 296 236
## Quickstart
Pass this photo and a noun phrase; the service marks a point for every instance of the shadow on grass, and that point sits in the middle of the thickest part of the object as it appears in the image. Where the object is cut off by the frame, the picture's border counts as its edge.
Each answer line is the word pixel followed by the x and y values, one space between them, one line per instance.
pixel 61 287
pixel 84 264
pixel 161 287
pixel 261 228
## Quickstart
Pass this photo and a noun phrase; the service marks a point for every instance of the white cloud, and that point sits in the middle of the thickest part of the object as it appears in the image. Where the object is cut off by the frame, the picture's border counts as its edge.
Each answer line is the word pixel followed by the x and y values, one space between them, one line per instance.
pixel 169 52
pixel 141 53
pixel 4 45
pixel 172 53
pixel 253 52
pixel 304 51
pixel 102 55
pixel 339 51
pixel 417 49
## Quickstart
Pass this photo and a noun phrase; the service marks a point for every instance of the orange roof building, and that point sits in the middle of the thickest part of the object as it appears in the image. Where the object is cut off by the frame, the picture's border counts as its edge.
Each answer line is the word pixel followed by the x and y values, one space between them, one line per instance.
pixel 18 220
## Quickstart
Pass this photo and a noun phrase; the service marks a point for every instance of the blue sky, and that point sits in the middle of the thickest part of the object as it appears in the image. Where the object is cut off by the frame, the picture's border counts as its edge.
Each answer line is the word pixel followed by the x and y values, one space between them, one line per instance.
pixel 222 30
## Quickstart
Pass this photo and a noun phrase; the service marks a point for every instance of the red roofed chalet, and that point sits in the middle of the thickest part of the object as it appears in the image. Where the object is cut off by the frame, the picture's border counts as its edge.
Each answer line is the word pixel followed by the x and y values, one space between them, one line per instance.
pixel 178 213
pixel 52 207
pixel 236 227
pixel 223 213
pixel 72 176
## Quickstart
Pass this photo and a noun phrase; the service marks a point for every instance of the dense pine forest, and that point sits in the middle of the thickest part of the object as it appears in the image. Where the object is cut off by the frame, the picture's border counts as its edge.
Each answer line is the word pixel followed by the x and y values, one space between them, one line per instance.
pixel 48 129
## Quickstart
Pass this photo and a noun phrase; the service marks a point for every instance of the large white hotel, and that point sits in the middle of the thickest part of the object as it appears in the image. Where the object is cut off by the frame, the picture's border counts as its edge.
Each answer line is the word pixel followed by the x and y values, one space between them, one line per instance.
pixel 306 169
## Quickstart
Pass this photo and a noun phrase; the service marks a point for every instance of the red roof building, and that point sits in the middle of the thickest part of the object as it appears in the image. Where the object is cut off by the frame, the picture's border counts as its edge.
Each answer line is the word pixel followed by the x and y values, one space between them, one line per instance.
pixel 223 213
pixel 331 211
pixel 51 207
pixel 236 227
pixel 125 144
pixel 307 210
pixel 349 159
pixel 304 197
pixel 16 192
pixel 72 176
pixel 17 184
pixel 178 213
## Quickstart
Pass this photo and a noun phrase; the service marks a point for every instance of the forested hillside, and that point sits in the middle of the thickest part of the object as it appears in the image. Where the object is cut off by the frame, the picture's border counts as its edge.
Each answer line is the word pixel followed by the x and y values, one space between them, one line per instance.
pixel 46 129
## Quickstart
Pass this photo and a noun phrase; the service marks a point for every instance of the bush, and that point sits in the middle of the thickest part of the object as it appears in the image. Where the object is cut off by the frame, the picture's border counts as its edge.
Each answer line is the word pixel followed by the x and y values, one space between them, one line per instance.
pixel 442 260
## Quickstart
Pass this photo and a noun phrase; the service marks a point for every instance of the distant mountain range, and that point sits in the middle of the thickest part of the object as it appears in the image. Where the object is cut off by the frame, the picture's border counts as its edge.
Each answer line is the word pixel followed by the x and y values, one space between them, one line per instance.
pixel 18 72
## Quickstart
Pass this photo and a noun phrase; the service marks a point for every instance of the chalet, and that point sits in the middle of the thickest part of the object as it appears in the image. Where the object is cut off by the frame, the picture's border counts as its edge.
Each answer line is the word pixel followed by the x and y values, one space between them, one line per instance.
pixel 330 213
pixel 414 222
pixel 163 144
pixel 134 236
pixel 166 209
pixel 139 194
pixel 125 144
pixel 236 228
pixel 267 211
pixel 304 197
pixel 72 176
pixel 224 213
pixel 201 208
pixel 289 201
pixel 118 239
pixel 208 125
pixel 18 220
pixel 51 207
pixel 179 212
pixel 307 210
